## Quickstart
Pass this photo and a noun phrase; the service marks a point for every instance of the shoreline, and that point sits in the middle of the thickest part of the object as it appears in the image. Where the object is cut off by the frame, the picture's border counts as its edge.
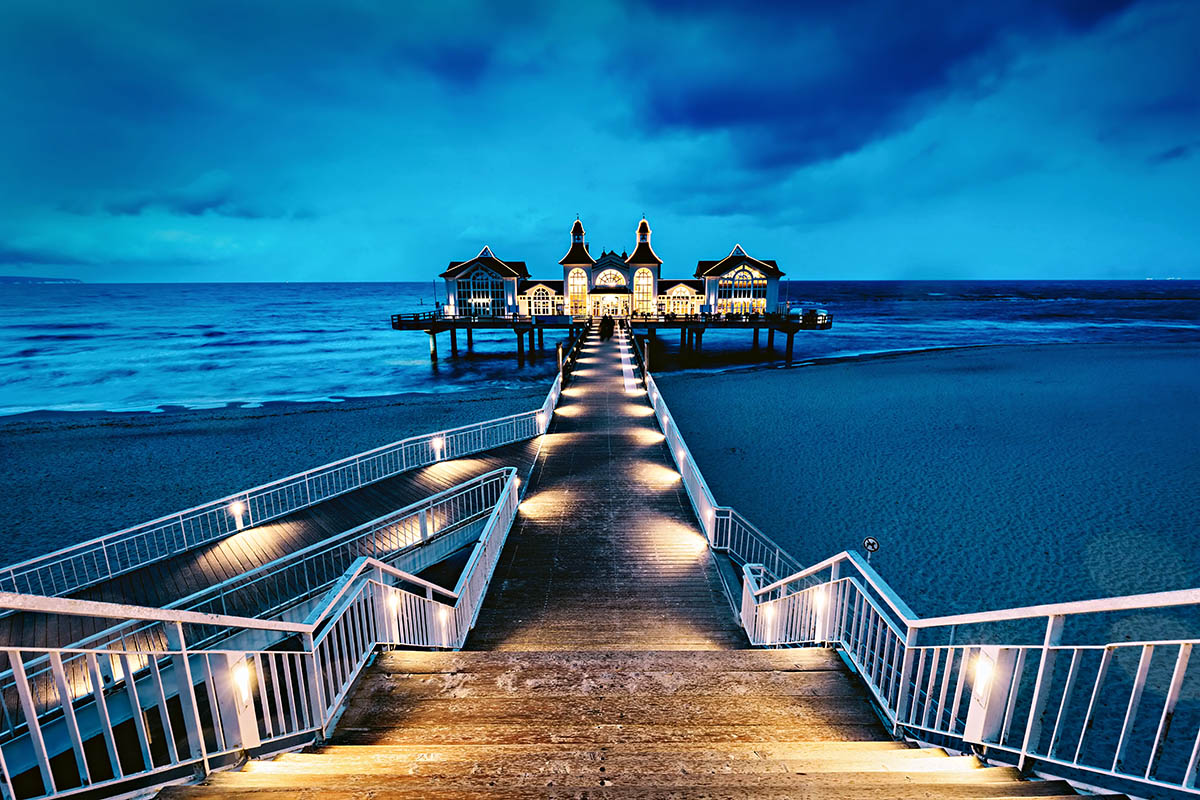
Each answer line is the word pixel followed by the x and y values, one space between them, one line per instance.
pixel 170 409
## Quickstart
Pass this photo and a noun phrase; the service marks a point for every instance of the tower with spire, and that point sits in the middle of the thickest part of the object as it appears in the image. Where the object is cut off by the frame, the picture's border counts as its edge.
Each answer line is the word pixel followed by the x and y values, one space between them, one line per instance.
pixel 644 271
pixel 577 271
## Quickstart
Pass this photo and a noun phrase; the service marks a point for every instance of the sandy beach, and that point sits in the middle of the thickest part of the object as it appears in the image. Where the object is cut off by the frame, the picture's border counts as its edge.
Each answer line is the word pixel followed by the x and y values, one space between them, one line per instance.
pixel 70 477
pixel 992 477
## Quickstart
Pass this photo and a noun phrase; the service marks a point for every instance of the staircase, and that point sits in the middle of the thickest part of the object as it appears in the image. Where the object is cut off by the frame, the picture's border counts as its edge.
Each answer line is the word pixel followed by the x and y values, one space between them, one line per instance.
pixel 620 724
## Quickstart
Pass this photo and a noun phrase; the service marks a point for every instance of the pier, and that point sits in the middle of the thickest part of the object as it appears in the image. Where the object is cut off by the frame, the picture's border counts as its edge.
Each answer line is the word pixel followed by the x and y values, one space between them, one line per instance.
pixel 568 613
pixel 690 328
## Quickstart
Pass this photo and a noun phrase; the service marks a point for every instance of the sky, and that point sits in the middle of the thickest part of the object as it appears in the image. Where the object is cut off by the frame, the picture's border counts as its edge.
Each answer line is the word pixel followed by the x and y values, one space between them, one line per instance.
pixel 267 141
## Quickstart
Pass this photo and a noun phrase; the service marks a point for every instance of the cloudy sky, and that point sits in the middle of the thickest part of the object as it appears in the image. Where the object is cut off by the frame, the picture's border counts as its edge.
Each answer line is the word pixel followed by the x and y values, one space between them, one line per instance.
pixel 242 140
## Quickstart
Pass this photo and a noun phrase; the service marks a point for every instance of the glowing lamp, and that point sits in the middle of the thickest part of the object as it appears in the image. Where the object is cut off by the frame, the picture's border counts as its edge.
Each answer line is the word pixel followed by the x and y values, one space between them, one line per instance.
pixel 241 679
pixel 984 669
pixel 237 508
pixel 819 600
pixel 443 614
pixel 393 601
pixel 438 443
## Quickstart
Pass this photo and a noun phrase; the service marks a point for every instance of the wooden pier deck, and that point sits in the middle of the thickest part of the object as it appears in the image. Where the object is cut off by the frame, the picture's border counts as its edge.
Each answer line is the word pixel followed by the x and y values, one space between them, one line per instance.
pixel 170 579
pixel 606 552
pixel 606 663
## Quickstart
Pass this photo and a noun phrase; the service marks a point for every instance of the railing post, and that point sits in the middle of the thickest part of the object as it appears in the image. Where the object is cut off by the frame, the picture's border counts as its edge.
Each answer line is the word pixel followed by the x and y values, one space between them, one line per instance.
pixel 910 644
pixel 993 670
pixel 316 684
pixel 424 518
pixel 185 687
pixel 235 700
pixel 1041 689
pixel 31 719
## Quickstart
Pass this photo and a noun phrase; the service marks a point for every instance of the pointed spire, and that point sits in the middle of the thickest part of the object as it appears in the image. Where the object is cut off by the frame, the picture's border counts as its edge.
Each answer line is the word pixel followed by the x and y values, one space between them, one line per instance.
pixel 578 254
pixel 643 253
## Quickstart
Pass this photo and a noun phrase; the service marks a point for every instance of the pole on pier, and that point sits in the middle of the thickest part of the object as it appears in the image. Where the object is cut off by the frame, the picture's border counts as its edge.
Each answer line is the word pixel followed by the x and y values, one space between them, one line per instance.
pixel 558 348
pixel 521 348
pixel 770 338
pixel 470 338
pixel 791 336
pixel 454 341
pixel 646 353
pixel 432 346
pixel 756 338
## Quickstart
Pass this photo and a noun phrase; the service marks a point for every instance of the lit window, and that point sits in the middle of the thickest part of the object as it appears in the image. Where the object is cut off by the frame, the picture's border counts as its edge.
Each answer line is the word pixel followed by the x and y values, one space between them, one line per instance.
pixel 643 285
pixel 742 291
pixel 481 294
pixel 610 277
pixel 577 290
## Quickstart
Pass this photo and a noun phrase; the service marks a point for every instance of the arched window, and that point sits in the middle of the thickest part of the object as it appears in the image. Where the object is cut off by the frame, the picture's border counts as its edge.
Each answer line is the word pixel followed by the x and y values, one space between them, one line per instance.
pixel 610 277
pixel 577 291
pixel 540 302
pixel 643 287
pixel 481 294
pixel 742 291
pixel 681 299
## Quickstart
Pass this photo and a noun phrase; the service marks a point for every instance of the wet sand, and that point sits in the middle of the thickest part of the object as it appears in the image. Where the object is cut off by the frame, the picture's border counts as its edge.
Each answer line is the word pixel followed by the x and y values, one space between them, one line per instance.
pixel 992 477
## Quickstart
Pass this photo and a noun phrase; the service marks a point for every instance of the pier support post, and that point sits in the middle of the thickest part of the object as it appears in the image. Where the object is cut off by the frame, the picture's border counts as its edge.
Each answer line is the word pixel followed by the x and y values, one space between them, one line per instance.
pixel 756 338
pixel 521 348
pixel 541 339
pixel 531 350
pixel 453 342
pixel 770 338
pixel 791 337
pixel 432 346
pixel 559 350
pixel 470 339
pixel 699 340
pixel 683 339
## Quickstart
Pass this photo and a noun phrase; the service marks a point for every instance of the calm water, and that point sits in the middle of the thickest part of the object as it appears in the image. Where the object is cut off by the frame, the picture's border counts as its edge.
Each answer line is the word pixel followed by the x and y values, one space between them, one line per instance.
pixel 143 346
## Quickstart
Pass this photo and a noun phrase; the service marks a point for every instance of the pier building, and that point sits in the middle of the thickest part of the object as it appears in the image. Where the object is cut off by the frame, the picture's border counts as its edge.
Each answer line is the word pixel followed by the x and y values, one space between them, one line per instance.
pixel 615 284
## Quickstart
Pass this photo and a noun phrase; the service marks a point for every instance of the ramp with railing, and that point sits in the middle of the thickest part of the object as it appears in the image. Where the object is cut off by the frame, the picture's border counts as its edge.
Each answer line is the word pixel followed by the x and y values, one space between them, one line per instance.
pixel 1047 688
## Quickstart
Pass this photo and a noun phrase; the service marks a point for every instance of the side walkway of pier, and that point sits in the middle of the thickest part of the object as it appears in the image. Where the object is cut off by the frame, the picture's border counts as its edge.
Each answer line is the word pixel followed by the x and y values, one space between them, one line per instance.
pixel 161 582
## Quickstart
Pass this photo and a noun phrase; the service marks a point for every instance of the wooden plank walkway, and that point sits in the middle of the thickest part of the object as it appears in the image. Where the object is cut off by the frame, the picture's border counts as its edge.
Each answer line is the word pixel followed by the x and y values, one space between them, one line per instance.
pixel 606 552
pixel 173 578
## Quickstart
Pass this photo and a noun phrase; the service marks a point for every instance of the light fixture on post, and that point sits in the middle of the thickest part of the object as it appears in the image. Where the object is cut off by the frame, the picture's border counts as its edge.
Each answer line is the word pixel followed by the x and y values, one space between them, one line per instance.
pixel 437 443
pixel 236 509
pixel 990 672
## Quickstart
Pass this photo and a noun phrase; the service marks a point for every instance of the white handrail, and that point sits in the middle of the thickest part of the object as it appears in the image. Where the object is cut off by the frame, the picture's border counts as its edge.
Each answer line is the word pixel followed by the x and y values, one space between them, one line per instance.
pixel 85 563
pixel 255 699
pixel 939 693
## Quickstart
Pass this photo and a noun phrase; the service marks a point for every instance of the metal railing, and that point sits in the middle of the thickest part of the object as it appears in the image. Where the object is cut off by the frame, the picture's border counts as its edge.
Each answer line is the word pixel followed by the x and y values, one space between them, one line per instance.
pixel 275 588
pixel 80 565
pixel 1047 687
pixel 138 718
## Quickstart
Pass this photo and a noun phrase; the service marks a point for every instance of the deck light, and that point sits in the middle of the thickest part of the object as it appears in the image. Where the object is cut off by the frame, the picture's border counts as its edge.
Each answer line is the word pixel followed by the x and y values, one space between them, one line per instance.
pixel 819 599
pixel 984 668
pixel 241 678
pixel 393 601
pixel 438 442
pixel 236 509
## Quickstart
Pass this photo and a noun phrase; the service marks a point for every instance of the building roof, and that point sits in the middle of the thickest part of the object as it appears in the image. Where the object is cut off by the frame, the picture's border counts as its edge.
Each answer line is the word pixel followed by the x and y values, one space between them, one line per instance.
pixel 527 285
pixel 505 269
pixel 578 254
pixel 736 258
pixel 643 253
pixel 696 284
pixel 610 260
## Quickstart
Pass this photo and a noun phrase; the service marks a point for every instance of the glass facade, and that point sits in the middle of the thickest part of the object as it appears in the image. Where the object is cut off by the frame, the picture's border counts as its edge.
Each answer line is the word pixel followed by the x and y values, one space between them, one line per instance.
pixel 577 291
pixel 481 294
pixel 643 292
pixel 742 291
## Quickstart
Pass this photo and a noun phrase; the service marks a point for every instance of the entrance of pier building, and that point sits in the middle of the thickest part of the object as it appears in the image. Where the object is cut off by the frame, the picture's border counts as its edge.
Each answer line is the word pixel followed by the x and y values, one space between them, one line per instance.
pixel 613 305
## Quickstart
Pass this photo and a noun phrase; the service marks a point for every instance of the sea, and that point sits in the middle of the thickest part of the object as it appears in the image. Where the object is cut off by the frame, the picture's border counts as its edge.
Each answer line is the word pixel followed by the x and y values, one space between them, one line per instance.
pixel 151 347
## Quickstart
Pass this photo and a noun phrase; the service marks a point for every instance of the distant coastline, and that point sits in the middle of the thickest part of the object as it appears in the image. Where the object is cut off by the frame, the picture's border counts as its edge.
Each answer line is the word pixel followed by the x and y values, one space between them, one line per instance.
pixel 30 279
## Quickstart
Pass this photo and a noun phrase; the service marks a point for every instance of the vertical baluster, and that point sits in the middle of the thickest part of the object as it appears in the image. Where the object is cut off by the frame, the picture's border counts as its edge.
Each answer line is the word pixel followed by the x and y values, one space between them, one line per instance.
pixel 37 742
pixel 161 696
pixel 1101 673
pixel 941 701
pixel 66 702
pixel 1168 712
pixel 1135 700
pixel 933 669
pixel 101 704
pixel 952 725
pixel 1041 688
pixel 1072 674
pixel 1013 689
